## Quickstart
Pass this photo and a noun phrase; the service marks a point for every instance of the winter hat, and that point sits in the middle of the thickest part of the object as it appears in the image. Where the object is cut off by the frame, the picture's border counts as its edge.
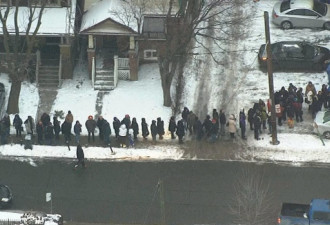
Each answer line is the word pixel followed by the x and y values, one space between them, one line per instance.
pixel 90 117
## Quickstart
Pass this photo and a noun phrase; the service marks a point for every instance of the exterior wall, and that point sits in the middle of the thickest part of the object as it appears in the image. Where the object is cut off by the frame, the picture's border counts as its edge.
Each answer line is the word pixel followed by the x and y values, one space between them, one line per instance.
pixel 158 45
pixel 133 64
pixel 67 61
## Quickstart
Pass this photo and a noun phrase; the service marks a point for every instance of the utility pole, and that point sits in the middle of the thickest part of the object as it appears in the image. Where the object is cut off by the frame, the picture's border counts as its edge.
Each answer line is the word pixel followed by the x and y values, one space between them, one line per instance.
pixel 270 80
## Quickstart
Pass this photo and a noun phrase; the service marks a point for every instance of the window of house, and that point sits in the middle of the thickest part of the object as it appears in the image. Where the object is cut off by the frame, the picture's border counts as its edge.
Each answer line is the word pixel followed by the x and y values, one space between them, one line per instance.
pixel 150 54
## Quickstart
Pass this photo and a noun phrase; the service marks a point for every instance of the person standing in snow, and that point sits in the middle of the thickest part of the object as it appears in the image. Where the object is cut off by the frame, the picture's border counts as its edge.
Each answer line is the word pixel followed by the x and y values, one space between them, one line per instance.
pixel 29 125
pixel 90 126
pixel 116 125
pixel 80 156
pixel 40 132
pixel 145 129
pixel 191 120
pixel 69 118
pixel 257 126
pixel 153 129
pixel 172 127
pixel 122 135
pixel 207 126
pixel 49 133
pixel 184 116
pixel 242 124
pixel 198 129
pixel 106 132
pixel 77 131
pixel 57 129
pixel 232 126
pixel 180 131
pixel 127 121
pixel 131 136
pixel 99 124
pixel 135 127
pixel 223 121
pixel 160 128
pixel 17 122
pixel 66 131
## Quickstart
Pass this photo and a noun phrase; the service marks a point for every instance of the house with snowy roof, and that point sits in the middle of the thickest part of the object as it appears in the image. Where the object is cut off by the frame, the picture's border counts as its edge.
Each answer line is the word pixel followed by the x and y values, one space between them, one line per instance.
pixel 119 37
pixel 56 45
pixel 112 49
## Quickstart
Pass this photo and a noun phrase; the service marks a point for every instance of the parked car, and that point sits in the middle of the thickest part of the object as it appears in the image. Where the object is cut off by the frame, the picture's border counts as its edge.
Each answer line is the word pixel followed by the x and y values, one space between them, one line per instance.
pixel 295 55
pixel 317 212
pixel 6 196
pixel 301 13
pixel 322 123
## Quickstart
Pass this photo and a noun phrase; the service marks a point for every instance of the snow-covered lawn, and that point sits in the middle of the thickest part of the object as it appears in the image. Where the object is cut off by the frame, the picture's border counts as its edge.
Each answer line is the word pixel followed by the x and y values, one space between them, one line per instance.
pixel 143 98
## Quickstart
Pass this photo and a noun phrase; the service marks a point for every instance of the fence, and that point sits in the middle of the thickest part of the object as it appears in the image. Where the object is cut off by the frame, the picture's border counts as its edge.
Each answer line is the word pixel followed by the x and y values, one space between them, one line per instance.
pixel 10 222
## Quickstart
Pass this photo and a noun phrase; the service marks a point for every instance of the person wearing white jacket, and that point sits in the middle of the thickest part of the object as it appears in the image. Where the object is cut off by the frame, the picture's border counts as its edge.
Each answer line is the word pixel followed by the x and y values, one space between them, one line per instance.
pixel 122 135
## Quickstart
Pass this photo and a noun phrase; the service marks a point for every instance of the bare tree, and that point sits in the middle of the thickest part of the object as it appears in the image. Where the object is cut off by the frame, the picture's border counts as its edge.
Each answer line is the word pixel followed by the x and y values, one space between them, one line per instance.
pixel 19 29
pixel 194 21
pixel 252 203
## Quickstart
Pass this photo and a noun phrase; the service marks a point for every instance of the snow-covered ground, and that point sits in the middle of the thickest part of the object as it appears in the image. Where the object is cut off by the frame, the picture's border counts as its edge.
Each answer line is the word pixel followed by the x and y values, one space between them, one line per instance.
pixel 143 98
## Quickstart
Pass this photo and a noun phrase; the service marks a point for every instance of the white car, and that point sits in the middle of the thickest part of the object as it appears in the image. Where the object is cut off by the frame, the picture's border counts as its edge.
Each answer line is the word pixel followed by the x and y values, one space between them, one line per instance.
pixel 322 123
pixel 301 13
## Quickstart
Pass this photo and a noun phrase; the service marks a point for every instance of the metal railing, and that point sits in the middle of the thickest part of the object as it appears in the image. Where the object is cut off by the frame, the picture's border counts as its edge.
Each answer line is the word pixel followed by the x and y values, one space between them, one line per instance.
pixel 60 72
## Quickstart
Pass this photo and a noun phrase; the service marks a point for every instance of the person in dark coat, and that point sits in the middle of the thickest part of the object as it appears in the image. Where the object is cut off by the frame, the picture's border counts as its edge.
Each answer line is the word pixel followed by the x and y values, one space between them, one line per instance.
pixel 191 122
pixel 160 128
pixel 199 129
pixel 257 126
pixel 77 131
pixel 223 121
pixel 127 121
pixel 45 119
pixel 180 131
pixel 242 124
pixel 5 129
pixel 99 124
pixel 214 131
pixel 184 116
pixel 207 124
pixel 90 126
pixel 172 126
pixel 29 125
pixel 57 129
pixel 116 125
pixel 49 133
pixel 17 122
pixel 135 127
pixel 145 129
pixel 80 156
pixel 251 113
pixel 40 132
pixel 66 131
pixel 106 132
pixel 153 129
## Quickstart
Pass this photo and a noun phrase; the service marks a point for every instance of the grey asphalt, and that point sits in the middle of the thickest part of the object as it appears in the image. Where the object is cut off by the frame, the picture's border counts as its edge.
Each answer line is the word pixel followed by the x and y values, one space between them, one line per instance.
pixel 195 192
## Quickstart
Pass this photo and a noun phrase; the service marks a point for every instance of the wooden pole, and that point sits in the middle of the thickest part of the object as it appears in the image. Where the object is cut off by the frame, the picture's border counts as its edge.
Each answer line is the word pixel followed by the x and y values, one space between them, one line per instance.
pixel 270 80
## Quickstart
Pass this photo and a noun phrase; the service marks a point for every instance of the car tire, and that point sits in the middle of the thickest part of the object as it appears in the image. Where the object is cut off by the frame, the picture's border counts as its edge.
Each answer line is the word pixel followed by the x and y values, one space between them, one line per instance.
pixel 326 135
pixel 286 25
pixel 326 26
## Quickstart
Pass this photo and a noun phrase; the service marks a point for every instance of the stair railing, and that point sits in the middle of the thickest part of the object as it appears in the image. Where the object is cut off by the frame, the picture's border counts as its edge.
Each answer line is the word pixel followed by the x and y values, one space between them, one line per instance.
pixel 93 71
pixel 60 72
pixel 115 70
pixel 38 63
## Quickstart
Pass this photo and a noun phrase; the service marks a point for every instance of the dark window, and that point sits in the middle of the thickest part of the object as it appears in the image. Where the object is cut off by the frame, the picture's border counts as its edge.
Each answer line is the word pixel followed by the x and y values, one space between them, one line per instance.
pixel 300 12
pixel 285 6
pixel 20 2
pixel 321 215
pixel 310 13
pixel 320 8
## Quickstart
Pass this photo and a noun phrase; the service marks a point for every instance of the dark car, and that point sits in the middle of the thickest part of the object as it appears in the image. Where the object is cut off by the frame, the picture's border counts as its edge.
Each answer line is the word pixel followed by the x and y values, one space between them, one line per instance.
pixel 295 55
pixel 6 196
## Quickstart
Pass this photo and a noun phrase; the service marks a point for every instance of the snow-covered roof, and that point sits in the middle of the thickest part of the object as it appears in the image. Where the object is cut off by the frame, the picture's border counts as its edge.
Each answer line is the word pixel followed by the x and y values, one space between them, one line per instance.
pixel 54 21
pixel 106 10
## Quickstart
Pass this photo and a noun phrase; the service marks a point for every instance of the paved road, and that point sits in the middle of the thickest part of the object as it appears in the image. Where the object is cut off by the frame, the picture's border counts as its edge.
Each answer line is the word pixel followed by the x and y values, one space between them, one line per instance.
pixel 195 192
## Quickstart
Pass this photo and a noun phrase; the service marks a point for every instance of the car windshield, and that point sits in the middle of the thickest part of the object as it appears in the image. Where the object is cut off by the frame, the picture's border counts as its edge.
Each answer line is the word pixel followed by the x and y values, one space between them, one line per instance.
pixel 320 8
pixel 308 50
pixel 285 6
